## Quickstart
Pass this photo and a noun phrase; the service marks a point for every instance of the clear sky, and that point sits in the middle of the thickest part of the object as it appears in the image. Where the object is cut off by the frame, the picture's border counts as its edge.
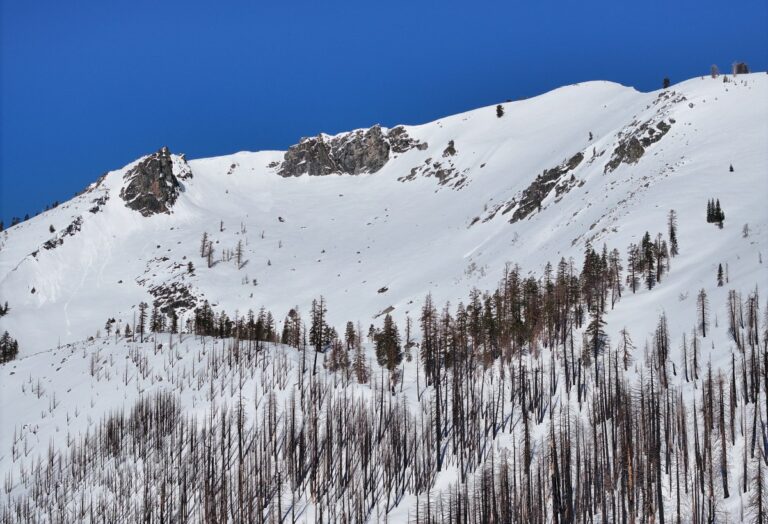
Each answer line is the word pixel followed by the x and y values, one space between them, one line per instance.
pixel 88 86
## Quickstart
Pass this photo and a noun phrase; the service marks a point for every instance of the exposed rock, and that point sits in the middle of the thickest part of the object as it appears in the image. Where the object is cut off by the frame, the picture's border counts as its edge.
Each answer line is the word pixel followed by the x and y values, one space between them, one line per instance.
pixel 69 231
pixel 632 145
pixel 450 150
pixel 173 297
pixel 152 185
pixel 361 151
pixel 99 203
pixel 531 198
pixel 400 142
pixel 447 175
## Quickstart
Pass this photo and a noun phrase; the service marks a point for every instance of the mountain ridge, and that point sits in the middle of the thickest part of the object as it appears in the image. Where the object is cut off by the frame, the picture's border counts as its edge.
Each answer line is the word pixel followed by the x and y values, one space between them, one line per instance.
pixel 456 196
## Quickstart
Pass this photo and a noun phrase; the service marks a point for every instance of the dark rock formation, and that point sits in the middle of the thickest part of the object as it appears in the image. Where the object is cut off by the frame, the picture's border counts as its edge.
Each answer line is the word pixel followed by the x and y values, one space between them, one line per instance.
pixel 446 175
pixel 151 185
pixel 361 151
pixel 99 203
pixel 69 231
pixel 532 196
pixel 450 150
pixel 400 142
pixel 631 146
pixel 173 297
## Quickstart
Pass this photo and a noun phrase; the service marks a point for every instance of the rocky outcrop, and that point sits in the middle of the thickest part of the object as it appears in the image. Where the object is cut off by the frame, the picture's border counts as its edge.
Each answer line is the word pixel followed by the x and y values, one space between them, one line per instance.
pixel 445 173
pixel 400 142
pixel 69 231
pixel 532 196
pixel 173 297
pixel 361 151
pixel 152 185
pixel 631 146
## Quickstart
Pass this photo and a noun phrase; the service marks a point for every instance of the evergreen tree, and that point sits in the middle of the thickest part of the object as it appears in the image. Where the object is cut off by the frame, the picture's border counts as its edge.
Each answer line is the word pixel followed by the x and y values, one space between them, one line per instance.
pixel 9 348
pixel 719 215
pixel 719 275
pixel 142 320
pixel 648 260
pixel 318 331
pixel 596 338
pixel 499 111
pixel 702 305
pixel 204 245
pixel 155 320
pixel 359 364
pixel 239 254
pixel 672 223
pixel 388 350
pixel 350 335
pixel 634 267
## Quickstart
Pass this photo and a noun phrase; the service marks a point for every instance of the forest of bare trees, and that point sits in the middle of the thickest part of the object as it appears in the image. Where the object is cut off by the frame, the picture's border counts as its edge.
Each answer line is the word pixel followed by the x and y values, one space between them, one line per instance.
pixel 519 402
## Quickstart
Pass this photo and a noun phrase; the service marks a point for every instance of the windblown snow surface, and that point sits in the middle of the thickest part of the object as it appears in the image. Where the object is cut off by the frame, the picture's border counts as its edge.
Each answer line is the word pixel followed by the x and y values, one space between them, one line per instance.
pixel 348 237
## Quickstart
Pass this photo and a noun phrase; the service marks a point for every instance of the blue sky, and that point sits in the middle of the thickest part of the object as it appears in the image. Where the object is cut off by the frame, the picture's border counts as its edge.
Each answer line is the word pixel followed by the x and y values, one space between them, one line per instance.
pixel 89 86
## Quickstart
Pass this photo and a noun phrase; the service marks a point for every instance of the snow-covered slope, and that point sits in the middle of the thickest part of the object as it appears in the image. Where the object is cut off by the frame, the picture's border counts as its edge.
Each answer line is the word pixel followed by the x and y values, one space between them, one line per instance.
pixel 347 237
pixel 438 208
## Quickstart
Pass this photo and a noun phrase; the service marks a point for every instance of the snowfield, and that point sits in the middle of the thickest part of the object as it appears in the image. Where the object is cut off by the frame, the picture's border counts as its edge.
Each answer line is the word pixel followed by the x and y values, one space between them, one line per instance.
pixel 379 242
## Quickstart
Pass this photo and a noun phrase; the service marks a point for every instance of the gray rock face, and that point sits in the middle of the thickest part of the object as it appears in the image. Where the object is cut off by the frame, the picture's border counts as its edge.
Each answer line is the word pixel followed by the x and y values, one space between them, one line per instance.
pixel 151 186
pixel 362 151
pixel 534 194
pixel 632 147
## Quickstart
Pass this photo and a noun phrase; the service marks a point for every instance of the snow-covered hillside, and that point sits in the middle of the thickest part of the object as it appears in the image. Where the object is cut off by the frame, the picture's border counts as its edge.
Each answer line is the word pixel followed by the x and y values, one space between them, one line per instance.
pixel 374 220
pixel 347 237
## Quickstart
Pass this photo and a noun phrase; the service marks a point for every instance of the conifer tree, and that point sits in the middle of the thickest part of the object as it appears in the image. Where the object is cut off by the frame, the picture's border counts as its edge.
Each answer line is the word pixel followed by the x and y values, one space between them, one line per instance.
pixel 9 348
pixel 204 245
pixel 720 275
pixel 388 350
pixel 702 305
pixel 142 320
pixel 672 224
pixel 350 335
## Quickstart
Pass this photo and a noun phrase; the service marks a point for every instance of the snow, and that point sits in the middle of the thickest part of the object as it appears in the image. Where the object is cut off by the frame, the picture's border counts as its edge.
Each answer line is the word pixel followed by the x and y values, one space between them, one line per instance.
pixel 345 237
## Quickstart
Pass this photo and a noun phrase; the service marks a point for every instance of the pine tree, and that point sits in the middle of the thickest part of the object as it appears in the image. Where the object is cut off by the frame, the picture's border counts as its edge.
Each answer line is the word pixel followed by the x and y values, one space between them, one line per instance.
pixel 672 223
pixel 350 336
pixel 388 350
pixel 155 320
pixel 648 260
pixel 703 312
pixel 633 267
pixel 499 111
pixel 204 245
pixel 239 254
pixel 318 329
pixel 719 215
pixel 359 364
pixel 9 348
pixel 719 275
pixel 142 320
pixel 596 339
pixel 209 254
